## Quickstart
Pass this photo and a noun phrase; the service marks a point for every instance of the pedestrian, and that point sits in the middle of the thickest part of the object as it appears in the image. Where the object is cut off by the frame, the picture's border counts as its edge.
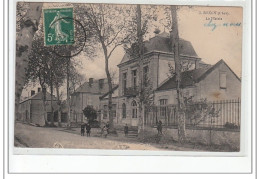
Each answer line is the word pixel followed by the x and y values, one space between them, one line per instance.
pixel 126 130
pixel 82 131
pixel 159 127
pixel 105 131
pixel 107 127
pixel 88 128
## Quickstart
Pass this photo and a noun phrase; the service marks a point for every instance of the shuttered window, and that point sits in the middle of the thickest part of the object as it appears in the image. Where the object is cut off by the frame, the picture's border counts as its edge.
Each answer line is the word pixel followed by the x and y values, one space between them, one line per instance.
pixel 223 80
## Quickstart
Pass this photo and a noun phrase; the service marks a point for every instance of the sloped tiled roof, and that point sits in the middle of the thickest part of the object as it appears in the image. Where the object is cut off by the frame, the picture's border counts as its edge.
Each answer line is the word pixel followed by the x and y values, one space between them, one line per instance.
pixel 189 78
pixel 161 42
pixel 94 88
pixel 38 96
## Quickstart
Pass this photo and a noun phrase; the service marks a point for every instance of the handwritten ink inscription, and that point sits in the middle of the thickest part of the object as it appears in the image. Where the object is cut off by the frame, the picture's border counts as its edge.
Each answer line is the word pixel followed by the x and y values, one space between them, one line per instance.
pixel 216 19
pixel 214 25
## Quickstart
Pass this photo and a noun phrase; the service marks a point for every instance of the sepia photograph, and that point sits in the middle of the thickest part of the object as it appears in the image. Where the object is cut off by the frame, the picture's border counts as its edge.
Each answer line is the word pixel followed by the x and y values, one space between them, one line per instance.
pixel 128 77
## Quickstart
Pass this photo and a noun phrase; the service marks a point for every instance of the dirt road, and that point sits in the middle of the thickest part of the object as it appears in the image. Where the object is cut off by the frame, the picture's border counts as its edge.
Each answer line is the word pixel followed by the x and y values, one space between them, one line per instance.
pixel 39 137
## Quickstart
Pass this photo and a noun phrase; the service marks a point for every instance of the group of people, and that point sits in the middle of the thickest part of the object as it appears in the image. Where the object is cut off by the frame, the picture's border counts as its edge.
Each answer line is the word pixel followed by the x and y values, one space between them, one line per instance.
pixel 105 129
pixel 88 129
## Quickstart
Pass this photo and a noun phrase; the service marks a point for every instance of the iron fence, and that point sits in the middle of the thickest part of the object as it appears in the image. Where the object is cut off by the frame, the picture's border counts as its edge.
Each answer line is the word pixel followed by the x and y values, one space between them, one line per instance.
pixel 227 115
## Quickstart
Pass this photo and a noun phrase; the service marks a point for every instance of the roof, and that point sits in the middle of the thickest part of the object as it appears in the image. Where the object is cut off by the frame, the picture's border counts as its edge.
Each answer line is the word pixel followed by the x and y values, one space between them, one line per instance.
pixel 39 96
pixel 106 94
pixel 189 78
pixel 94 88
pixel 161 42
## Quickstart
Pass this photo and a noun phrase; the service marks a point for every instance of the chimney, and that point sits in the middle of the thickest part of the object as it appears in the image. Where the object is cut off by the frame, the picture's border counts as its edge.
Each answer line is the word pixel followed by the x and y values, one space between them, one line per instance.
pixel 197 64
pixel 44 90
pixel 44 93
pixel 156 31
pixel 32 92
pixel 90 81
pixel 39 90
pixel 101 83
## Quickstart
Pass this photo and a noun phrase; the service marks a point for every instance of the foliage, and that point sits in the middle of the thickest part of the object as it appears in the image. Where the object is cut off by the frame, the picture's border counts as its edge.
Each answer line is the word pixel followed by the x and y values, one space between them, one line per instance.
pixel 199 111
pixel 229 125
pixel 90 113
pixel 21 10
pixel 147 95
pixel 108 26
pixel 149 16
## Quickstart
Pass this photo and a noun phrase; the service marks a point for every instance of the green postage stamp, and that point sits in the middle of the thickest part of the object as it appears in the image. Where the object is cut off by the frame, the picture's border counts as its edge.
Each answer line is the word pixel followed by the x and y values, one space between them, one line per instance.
pixel 58 26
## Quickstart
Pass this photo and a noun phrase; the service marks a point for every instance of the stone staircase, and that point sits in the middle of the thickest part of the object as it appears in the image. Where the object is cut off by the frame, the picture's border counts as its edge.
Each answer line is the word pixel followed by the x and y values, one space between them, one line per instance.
pixel 132 131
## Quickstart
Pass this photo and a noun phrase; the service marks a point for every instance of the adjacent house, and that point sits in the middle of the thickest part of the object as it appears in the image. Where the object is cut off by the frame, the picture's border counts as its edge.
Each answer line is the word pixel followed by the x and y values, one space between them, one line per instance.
pixel 31 109
pixel 216 82
pixel 87 94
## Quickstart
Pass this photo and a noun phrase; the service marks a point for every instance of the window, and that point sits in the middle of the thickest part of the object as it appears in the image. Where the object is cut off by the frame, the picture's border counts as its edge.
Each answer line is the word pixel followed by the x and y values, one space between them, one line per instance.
pixel 134 109
pixel 134 78
pixel 123 111
pixel 145 76
pixel 124 80
pixel 163 103
pixel 114 110
pixel 223 80
pixel 105 112
pixel 186 93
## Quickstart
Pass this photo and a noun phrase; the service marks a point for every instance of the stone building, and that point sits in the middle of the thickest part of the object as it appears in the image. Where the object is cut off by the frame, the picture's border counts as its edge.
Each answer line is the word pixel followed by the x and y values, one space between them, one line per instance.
pixel 31 109
pixel 87 94
pixel 214 83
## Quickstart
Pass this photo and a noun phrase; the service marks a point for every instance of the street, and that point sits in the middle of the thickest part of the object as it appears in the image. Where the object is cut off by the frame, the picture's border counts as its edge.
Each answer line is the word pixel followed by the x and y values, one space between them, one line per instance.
pixel 39 137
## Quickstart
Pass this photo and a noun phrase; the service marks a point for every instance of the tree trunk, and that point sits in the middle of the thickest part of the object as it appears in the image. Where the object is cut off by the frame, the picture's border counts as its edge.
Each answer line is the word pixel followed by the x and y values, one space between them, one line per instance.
pixel 52 112
pixel 140 69
pixel 23 48
pixel 68 94
pixel 110 112
pixel 174 35
pixel 110 87
pixel 59 104
pixel 44 104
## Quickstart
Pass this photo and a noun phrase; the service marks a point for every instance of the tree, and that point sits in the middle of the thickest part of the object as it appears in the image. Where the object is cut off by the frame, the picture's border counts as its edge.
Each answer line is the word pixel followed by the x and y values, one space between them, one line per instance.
pixel 37 70
pixel 174 38
pixel 90 113
pixel 47 69
pixel 134 47
pixel 25 33
pixel 108 25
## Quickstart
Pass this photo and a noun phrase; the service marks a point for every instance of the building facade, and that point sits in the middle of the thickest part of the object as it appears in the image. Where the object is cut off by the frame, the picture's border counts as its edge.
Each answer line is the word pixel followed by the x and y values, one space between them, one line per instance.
pixel 31 109
pixel 87 94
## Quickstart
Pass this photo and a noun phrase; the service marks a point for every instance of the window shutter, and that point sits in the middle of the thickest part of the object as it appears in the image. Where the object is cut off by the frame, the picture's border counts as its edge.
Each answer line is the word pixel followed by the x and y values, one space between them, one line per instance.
pixel 223 80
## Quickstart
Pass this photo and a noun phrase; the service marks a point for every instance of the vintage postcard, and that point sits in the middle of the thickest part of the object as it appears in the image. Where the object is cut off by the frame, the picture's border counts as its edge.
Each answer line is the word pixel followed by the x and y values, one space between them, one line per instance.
pixel 128 77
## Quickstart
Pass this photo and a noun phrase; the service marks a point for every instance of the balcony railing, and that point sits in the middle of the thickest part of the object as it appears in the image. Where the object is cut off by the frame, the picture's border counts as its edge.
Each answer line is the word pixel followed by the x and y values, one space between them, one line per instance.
pixel 130 91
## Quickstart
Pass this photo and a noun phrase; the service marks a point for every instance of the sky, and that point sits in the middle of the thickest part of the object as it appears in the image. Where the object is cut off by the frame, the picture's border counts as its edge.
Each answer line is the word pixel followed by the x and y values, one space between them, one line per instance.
pixel 221 43
pixel 214 32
